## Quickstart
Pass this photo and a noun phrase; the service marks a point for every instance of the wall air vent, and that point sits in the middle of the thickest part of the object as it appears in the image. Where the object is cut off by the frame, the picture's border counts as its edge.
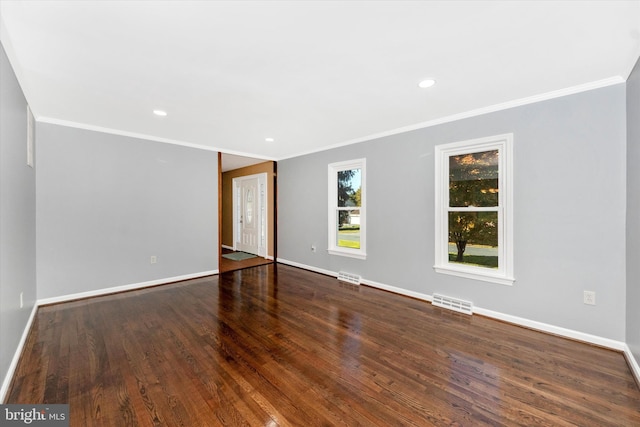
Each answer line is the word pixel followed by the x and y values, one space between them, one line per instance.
pixel 349 277
pixel 454 304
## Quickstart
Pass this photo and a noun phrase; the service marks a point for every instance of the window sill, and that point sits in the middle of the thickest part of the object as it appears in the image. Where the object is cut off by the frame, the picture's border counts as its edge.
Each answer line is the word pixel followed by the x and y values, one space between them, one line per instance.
pixel 358 255
pixel 476 275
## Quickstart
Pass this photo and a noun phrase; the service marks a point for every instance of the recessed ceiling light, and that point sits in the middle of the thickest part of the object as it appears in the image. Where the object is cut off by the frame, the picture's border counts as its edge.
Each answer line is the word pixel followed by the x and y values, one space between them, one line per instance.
pixel 426 83
pixel 269 139
pixel 160 113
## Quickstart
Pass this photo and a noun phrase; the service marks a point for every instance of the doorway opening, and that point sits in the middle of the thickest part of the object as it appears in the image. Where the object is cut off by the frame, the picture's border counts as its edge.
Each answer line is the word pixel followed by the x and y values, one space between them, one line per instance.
pixel 247 212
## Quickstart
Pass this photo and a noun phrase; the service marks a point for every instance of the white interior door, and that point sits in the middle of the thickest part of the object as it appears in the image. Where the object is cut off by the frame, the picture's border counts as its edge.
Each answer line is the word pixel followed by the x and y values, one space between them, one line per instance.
pixel 250 214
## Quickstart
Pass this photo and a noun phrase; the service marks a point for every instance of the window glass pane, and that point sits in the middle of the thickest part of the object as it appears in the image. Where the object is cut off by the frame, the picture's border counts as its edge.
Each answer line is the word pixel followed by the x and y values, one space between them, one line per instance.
pixel 473 238
pixel 473 179
pixel 349 229
pixel 349 188
pixel 248 207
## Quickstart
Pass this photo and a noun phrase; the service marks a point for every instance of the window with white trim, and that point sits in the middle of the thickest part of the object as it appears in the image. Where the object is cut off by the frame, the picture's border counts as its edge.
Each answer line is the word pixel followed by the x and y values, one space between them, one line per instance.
pixel 474 209
pixel 347 208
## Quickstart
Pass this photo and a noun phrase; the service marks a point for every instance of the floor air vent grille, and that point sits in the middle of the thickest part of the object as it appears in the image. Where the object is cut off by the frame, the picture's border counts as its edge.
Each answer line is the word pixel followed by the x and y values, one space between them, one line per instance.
pixel 349 277
pixel 454 304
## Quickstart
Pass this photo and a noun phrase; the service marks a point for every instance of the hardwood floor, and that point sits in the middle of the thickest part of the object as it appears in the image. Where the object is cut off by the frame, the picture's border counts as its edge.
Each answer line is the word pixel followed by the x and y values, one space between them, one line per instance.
pixel 276 345
pixel 227 265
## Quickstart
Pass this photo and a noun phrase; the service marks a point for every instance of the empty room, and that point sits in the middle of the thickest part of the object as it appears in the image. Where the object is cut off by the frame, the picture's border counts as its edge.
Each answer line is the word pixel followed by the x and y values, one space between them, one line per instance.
pixel 317 213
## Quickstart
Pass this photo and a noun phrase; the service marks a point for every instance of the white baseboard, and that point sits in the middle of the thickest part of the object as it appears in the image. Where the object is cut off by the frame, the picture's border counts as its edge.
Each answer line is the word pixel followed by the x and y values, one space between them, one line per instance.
pixel 531 324
pixel 371 283
pixel 228 247
pixel 633 363
pixel 307 267
pixel 552 329
pixel 397 290
pixel 543 327
pixel 16 356
pixel 70 297
pixel 115 289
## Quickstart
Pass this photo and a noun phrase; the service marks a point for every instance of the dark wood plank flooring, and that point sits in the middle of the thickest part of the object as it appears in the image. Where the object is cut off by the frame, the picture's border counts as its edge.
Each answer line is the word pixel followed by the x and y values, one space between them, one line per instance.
pixel 276 345
pixel 227 265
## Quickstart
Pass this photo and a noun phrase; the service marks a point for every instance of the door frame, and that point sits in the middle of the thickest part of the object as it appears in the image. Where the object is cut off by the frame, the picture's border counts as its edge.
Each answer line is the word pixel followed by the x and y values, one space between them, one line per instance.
pixel 262 211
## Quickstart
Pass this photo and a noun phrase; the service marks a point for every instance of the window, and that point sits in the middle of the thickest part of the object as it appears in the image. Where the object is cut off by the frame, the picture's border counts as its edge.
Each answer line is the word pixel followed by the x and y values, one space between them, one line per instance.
pixel 474 230
pixel 347 207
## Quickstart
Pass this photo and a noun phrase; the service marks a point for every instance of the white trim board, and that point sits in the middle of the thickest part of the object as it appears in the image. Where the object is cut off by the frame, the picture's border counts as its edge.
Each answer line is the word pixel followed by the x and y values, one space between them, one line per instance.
pixel 123 288
pixel 142 136
pixel 633 363
pixel 307 267
pixel 543 327
pixel 464 115
pixel 518 321
pixel 16 356
pixel 473 113
pixel 70 297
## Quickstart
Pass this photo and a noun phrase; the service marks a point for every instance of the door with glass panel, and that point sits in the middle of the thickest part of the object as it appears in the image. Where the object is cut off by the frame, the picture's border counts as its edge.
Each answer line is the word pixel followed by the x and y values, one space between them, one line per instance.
pixel 250 214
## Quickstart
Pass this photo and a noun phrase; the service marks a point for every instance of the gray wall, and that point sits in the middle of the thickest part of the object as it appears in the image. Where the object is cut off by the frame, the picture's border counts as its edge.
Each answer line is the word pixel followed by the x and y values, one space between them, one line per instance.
pixel 17 217
pixel 107 203
pixel 570 179
pixel 633 212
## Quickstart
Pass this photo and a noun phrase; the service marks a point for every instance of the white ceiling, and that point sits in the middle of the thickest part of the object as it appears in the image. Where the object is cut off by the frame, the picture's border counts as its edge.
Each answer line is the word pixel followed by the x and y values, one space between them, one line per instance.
pixel 310 74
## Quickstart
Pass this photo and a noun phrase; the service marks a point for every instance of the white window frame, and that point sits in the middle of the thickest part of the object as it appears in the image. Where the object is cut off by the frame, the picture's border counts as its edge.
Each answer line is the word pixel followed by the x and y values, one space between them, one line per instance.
pixel 504 273
pixel 334 168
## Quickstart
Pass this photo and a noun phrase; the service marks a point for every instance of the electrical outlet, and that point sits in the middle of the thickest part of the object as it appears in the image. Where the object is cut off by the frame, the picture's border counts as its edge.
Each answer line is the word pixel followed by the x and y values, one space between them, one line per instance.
pixel 21 299
pixel 590 297
pixel 154 259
